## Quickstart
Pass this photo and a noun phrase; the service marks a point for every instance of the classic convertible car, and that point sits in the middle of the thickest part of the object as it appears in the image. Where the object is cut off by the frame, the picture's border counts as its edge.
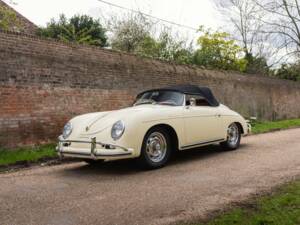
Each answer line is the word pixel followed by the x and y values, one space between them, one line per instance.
pixel 159 122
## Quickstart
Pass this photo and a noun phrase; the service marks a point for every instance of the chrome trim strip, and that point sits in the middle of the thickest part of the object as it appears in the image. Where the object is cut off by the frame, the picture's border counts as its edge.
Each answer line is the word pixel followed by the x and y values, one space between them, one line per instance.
pixel 201 143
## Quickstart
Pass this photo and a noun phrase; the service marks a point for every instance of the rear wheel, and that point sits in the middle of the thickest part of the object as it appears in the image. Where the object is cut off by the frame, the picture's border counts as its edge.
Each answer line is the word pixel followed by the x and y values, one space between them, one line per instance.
pixel 156 149
pixel 233 137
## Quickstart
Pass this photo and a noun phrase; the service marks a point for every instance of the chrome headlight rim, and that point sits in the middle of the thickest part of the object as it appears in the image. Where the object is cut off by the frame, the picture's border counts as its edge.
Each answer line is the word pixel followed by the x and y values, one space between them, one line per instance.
pixel 117 130
pixel 68 128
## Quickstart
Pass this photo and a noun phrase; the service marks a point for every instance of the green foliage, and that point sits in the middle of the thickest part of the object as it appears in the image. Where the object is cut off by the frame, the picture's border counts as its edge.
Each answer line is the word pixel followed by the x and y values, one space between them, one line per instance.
pixel 53 28
pixel 256 65
pixel 8 157
pixel 281 208
pixel 267 126
pixel 134 34
pixel 8 19
pixel 219 52
pixel 166 48
pixel 130 32
pixel 289 71
pixel 80 29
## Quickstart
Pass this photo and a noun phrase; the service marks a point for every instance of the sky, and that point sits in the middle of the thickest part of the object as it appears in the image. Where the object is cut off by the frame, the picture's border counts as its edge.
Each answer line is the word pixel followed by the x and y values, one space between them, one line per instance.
pixel 194 13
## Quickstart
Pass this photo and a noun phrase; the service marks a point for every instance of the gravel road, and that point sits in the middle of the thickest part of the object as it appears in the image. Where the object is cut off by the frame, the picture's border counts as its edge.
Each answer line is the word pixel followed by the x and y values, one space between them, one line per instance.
pixel 193 185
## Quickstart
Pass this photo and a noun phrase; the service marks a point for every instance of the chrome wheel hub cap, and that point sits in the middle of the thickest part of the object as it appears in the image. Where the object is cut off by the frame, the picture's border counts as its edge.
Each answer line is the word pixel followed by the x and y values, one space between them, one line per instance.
pixel 156 147
pixel 233 134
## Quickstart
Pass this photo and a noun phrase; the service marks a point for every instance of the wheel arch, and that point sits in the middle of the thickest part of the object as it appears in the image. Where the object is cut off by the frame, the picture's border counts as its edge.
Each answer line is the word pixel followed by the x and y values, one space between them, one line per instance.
pixel 240 126
pixel 170 130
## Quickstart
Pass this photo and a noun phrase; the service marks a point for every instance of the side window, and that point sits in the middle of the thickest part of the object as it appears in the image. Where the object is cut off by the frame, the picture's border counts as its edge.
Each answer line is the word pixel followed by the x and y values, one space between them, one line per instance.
pixel 200 101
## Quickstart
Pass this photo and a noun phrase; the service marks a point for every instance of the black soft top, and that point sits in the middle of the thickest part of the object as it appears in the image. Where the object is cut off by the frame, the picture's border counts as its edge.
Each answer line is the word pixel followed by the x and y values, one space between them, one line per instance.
pixel 189 89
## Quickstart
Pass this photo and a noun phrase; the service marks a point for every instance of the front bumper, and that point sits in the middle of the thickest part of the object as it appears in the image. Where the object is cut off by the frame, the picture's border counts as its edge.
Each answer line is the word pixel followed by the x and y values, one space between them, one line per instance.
pixel 95 150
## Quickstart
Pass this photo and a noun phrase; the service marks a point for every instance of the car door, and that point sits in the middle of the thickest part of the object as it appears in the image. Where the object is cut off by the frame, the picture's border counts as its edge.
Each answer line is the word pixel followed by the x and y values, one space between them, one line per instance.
pixel 202 123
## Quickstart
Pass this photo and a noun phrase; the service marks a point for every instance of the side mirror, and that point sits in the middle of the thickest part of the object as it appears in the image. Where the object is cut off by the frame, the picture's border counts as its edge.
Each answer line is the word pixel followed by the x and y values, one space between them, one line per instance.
pixel 192 102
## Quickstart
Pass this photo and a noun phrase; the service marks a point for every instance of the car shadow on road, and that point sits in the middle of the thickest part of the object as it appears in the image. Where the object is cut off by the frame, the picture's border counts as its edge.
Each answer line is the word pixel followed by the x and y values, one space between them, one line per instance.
pixel 196 154
pixel 130 167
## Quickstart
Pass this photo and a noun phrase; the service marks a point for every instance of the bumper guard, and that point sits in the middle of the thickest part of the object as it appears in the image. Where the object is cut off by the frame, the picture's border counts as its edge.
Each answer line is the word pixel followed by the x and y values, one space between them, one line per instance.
pixel 94 153
pixel 249 127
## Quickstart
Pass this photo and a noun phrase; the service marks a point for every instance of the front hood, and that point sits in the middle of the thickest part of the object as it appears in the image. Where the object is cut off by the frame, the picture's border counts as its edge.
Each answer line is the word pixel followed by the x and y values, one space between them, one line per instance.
pixel 90 124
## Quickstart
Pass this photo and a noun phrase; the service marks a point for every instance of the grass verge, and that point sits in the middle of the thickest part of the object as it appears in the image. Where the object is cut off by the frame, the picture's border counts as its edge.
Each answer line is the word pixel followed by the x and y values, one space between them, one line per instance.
pixel 29 154
pixel 280 208
pixel 267 126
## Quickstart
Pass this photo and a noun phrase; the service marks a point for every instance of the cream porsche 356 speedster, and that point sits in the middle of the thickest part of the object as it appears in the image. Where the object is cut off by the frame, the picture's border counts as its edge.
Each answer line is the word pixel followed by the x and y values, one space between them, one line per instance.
pixel 160 122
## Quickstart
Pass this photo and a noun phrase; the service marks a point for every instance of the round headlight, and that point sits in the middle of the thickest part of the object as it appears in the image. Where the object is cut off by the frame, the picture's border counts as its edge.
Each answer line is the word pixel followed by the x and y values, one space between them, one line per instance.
pixel 117 130
pixel 67 130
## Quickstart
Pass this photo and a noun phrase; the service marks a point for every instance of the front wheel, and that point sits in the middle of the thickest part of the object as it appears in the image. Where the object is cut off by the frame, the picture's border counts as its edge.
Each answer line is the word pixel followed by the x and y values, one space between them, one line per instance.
pixel 233 137
pixel 156 149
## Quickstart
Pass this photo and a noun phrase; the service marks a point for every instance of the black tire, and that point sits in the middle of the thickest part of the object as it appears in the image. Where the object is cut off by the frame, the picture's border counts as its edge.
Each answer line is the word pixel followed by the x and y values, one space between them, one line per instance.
pixel 93 162
pixel 229 145
pixel 145 160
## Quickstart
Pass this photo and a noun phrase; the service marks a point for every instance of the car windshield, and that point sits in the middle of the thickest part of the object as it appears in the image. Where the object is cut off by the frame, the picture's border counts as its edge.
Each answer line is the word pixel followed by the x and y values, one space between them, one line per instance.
pixel 160 97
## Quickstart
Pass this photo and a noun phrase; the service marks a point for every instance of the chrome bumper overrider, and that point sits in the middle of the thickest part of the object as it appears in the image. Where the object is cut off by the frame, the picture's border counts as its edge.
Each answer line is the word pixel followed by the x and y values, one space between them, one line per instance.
pixel 97 150
pixel 249 127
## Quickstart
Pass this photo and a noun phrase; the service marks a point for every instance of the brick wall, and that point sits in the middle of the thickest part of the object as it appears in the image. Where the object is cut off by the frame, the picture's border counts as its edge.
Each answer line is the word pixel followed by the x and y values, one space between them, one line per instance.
pixel 43 83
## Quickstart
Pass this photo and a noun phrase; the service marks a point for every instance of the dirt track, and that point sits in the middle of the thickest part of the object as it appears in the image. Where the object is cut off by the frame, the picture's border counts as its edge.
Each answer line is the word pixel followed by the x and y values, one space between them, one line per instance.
pixel 191 186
